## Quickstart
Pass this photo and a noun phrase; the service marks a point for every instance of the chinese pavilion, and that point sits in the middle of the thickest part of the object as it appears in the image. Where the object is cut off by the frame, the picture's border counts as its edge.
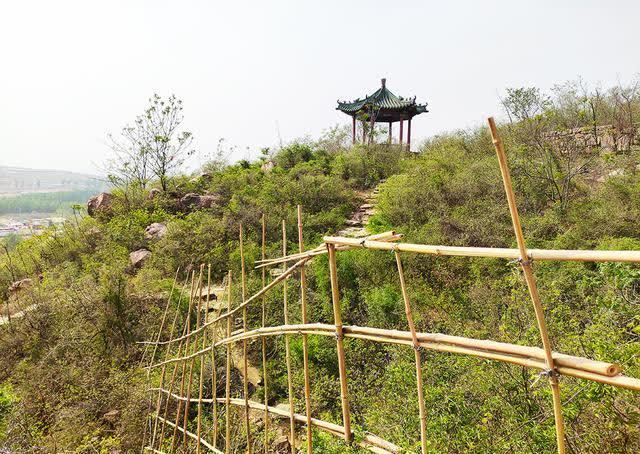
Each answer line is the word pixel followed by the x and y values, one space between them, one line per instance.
pixel 382 107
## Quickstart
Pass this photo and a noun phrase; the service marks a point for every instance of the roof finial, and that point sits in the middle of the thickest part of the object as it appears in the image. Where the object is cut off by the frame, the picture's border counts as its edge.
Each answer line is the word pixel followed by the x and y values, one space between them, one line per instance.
pixel 384 82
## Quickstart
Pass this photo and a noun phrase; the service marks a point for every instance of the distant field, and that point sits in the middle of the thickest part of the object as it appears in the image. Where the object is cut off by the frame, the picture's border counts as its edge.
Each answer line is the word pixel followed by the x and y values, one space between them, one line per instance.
pixel 44 202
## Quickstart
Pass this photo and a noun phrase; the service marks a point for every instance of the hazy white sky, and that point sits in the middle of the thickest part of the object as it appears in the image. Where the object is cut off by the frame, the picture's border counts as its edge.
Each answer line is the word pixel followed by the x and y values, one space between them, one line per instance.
pixel 72 71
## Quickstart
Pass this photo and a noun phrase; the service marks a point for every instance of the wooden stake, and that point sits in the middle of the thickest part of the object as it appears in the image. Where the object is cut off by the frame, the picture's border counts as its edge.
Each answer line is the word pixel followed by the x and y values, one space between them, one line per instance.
pixel 245 365
pixel 286 346
pixel 337 318
pixel 416 351
pixel 525 262
pixel 264 321
pixel 228 373
pixel 305 341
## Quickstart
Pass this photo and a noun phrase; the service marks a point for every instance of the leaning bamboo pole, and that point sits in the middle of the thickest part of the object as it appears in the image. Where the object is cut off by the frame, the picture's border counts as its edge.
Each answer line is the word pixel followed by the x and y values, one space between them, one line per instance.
pixel 245 365
pixel 227 441
pixel 337 318
pixel 416 351
pixel 525 263
pixel 184 364
pixel 484 349
pixel 185 419
pixel 292 423
pixel 264 339
pixel 305 341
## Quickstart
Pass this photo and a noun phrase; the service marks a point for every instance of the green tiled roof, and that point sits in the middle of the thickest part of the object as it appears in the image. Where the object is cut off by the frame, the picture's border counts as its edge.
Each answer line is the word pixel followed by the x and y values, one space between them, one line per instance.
pixel 383 100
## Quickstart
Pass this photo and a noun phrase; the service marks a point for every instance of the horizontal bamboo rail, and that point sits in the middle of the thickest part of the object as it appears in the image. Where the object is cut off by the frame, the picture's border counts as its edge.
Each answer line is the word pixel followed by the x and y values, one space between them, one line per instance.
pixel 504 253
pixel 532 357
pixel 368 440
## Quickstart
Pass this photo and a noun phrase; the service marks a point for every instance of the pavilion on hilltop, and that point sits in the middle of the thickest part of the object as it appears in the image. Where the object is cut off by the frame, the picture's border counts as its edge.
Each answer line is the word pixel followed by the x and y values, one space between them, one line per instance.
pixel 382 107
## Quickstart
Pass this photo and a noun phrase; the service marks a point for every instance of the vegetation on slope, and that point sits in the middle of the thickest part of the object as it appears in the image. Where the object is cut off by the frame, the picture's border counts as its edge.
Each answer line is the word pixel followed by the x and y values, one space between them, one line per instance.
pixel 73 360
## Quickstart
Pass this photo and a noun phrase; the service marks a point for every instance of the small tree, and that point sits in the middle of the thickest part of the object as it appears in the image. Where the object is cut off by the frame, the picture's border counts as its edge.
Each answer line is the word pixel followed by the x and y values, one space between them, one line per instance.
pixel 153 146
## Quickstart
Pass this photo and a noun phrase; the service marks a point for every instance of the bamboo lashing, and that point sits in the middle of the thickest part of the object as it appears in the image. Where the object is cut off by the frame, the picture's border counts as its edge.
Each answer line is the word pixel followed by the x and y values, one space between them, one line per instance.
pixel 337 318
pixel 487 252
pixel 184 365
pixel 416 352
pixel 227 441
pixel 292 424
pixel 305 341
pixel 185 419
pixel 263 340
pixel 525 263
pixel 245 365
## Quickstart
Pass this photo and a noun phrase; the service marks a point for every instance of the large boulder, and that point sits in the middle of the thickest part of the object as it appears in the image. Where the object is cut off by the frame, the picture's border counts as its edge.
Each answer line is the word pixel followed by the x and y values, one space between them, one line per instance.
pixel 137 258
pixel 100 202
pixel 198 201
pixel 155 231
pixel 153 193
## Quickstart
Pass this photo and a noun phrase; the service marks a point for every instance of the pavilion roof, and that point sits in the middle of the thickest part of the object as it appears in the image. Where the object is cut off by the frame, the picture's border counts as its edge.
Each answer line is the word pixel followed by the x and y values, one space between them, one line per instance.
pixel 388 106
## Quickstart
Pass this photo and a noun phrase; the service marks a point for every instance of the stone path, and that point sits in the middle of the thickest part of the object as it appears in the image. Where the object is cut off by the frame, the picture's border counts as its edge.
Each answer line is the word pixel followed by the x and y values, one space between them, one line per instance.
pixel 356 225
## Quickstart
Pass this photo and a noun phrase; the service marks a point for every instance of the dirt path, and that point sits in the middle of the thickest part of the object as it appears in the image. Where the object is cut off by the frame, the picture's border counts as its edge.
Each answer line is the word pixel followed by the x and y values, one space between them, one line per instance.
pixel 356 225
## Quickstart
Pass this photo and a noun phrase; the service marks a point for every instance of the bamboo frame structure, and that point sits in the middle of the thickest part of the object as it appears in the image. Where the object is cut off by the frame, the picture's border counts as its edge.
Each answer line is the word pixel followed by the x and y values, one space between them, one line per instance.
pixel 305 340
pixel 187 349
pixel 245 365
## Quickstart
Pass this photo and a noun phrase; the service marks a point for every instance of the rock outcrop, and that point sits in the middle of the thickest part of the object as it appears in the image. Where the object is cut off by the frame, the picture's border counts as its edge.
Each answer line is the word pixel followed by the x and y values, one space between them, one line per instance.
pixel 155 231
pixel 138 258
pixel 198 201
pixel 98 203
pixel 20 285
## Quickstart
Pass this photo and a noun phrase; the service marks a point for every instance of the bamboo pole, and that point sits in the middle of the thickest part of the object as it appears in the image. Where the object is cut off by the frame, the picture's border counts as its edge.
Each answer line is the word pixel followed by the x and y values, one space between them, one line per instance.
pixel 203 362
pixel 337 317
pixel 227 440
pixel 416 351
pixel 184 364
pixel 163 371
pixel 487 252
pixel 286 346
pixel 214 381
pixel 525 263
pixel 185 420
pixel 245 365
pixel 264 339
pixel 305 341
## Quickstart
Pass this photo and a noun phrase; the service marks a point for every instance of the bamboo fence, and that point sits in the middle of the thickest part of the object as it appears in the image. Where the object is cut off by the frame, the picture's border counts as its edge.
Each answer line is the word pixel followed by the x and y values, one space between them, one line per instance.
pixel 194 350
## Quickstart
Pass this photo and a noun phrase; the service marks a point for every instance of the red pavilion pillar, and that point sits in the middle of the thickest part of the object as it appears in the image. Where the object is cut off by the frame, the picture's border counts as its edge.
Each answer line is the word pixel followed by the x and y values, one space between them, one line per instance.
pixel 409 134
pixel 353 134
pixel 390 134
pixel 401 131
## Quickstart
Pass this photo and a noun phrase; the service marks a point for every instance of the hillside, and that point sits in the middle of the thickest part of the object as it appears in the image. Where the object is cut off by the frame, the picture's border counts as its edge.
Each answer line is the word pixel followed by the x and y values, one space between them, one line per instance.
pixel 71 375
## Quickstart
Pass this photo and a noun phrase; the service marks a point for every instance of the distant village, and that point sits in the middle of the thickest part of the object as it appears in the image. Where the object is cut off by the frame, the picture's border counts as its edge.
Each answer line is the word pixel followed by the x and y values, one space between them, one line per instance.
pixel 27 226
